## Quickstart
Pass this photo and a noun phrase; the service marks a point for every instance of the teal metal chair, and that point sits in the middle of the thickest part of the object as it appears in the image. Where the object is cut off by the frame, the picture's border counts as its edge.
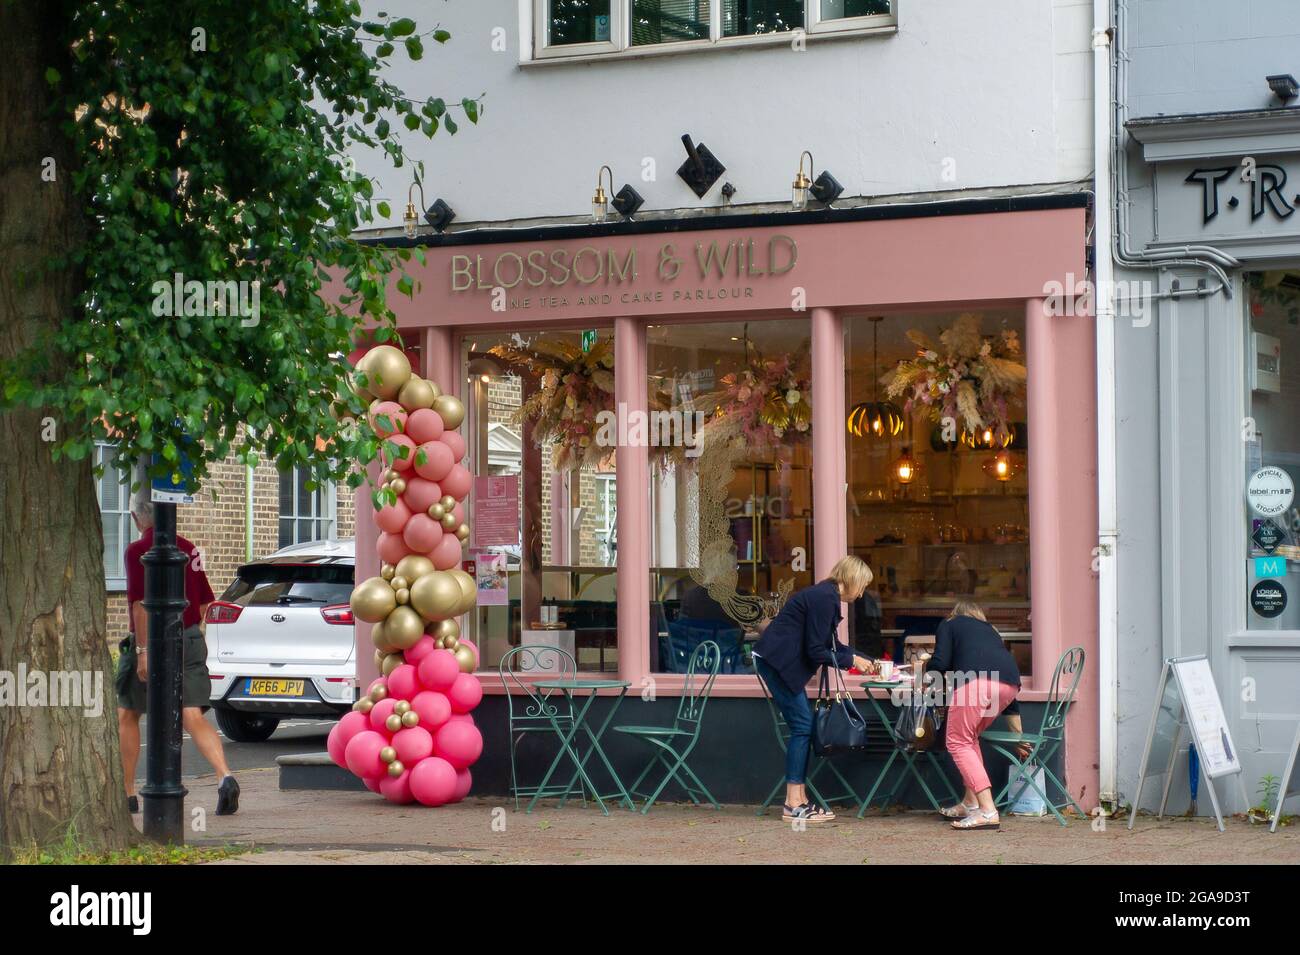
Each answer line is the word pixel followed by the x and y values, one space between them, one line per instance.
pixel 673 744
pixel 531 710
pixel 1046 742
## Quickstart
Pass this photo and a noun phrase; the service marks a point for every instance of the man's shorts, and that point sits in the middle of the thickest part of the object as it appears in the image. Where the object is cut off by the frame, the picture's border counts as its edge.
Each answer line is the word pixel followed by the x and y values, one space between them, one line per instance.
pixel 196 688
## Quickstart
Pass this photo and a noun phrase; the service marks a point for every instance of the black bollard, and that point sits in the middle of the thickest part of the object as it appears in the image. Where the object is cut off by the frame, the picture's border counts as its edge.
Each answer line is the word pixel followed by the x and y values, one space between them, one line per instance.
pixel 164 601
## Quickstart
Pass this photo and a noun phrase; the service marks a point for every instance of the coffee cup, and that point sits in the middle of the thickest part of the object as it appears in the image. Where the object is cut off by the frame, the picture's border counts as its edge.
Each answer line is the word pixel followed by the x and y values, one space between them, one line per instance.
pixel 886 669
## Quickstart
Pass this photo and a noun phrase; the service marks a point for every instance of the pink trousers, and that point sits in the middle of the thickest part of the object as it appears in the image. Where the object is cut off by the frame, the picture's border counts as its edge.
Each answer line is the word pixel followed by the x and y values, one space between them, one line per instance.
pixel 974 707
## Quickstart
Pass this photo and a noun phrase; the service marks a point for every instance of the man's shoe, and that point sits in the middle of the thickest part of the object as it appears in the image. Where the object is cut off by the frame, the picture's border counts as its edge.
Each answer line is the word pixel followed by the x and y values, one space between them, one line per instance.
pixel 228 797
pixel 132 804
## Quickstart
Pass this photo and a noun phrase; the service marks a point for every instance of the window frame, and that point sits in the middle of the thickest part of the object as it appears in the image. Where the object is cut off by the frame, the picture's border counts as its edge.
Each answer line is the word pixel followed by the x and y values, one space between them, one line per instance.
pixel 329 506
pixel 114 583
pixel 620 44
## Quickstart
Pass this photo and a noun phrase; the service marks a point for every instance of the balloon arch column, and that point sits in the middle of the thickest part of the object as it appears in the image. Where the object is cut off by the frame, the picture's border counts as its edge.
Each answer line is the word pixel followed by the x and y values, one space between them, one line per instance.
pixel 411 737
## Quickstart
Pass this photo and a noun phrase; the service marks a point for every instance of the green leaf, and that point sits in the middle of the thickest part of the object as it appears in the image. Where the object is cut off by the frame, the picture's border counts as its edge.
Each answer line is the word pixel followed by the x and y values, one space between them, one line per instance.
pixel 414 48
pixel 52 76
pixel 411 121
pixel 384 209
pixel 471 109
pixel 402 27
pixel 450 124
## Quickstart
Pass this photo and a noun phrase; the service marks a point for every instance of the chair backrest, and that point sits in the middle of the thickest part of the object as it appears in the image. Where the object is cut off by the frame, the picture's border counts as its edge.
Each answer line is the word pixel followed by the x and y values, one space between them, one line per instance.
pixel 684 635
pixel 1065 680
pixel 779 725
pixel 531 704
pixel 690 708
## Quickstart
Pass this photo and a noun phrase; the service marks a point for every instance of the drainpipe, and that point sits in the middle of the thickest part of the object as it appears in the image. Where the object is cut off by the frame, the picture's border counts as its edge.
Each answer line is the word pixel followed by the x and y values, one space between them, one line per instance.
pixel 248 510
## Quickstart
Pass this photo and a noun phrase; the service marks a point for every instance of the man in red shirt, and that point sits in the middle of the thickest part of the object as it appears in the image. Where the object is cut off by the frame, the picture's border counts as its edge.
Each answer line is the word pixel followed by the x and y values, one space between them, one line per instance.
pixel 133 664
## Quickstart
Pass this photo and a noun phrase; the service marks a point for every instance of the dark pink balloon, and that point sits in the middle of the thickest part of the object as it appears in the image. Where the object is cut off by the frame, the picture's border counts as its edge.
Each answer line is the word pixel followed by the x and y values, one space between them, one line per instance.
pixel 349 726
pixel 434 709
pixel 397 460
pixel 391 547
pixel 420 494
pixel 457 482
pixel 461 718
pixel 454 441
pixel 423 647
pixel 373 784
pixel 459 743
pixel 466 693
pixel 393 517
pixel 446 554
pixel 424 425
pixel 433 781
pixel 423 534
pixel 380 712
pixel 438 671
pixel 362 754
pixel 397 790
pixel 412 744
pixel 433 460
pixel 403 682
pixel 388 418
pixel 463 782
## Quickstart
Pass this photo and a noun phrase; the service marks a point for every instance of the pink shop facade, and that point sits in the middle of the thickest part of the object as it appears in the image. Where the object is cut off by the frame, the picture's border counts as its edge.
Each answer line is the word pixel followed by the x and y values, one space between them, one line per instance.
pixel 640 541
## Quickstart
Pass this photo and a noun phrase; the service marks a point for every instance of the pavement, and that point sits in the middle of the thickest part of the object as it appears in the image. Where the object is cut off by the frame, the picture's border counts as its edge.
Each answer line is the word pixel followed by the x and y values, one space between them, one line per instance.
pixel 297 828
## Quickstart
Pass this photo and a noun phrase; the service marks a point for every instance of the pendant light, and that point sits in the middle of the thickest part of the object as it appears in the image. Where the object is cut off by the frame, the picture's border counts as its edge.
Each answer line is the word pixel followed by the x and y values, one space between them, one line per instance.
pixel 875 418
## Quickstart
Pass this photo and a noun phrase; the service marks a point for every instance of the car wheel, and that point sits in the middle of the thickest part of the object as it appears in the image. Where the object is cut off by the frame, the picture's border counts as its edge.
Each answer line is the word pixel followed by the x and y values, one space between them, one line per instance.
pixel 246 727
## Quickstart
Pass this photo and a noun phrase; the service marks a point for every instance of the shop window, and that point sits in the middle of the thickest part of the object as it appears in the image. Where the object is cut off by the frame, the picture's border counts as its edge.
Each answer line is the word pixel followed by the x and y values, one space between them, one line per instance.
pixel 937 499
pixel 533 405
pixel 583 27
pixel 730 436
pixel 1272 433
pixel 113 490
pixel 306 511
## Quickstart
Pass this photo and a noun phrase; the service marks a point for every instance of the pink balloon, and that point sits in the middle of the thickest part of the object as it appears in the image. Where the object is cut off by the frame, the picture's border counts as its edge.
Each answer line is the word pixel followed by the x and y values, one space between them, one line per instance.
pixel 463 781
pixel 393 517
pixel 466 693
pixel 397 790
pixel 373 783
pixel 391 547
pixel 349 726
pixel 388 418
pixel 461 718
pixel 403 683
pixel 422 649
pixel 438 671
pixel 433 781
pixel 423 535
pixel 424 425
pixel 454 441
pixel 446 554
pixel 380 712
pixel 399 462
pixel 437 461
pixel 459 511
pixel 434 709
pixel 419 494
pixel 457 482
pixel 459 743
pixel 362 754
pixel 412 744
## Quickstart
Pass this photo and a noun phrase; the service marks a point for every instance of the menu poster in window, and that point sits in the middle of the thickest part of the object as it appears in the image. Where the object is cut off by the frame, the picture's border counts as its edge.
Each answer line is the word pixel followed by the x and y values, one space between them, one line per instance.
pixel 491 579
pixel 1205 717
pixel 495 520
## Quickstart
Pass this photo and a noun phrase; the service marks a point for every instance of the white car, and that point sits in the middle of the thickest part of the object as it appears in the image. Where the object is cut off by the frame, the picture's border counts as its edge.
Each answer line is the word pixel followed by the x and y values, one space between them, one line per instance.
pixel 280 640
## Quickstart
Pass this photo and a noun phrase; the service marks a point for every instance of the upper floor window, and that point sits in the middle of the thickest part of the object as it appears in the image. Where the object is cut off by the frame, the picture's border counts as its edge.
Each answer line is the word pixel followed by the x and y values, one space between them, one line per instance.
pixel 567 28
pixel 306 514
pixel 113 489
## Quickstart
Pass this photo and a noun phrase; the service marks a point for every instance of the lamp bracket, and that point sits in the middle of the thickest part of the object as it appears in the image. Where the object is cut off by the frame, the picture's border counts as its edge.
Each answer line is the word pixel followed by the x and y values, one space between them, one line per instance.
pixel 701 168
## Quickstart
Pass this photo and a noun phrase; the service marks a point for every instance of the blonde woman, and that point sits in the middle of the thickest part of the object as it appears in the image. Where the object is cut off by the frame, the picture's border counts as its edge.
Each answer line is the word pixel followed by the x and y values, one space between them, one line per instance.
pixel 985 684
pixel 798 641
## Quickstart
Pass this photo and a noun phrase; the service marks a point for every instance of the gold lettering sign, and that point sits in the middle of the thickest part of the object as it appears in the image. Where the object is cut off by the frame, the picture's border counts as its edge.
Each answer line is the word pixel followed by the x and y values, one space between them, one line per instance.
pixel 706 261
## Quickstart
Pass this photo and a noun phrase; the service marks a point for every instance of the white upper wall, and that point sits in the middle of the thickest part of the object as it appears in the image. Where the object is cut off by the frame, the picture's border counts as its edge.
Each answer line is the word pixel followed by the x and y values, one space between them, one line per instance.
pixel 963 96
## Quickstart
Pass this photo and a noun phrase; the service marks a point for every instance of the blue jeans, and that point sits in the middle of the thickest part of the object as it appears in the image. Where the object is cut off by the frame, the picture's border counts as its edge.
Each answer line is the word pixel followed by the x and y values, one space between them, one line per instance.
pixel 798 716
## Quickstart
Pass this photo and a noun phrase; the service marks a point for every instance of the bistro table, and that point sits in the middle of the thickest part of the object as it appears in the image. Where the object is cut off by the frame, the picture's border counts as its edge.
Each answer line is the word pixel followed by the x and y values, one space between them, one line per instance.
pixel 908 757
pixel 592 688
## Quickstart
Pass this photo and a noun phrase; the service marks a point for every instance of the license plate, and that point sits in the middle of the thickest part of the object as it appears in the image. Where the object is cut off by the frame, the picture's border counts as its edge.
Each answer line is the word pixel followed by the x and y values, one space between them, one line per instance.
pixel 275 687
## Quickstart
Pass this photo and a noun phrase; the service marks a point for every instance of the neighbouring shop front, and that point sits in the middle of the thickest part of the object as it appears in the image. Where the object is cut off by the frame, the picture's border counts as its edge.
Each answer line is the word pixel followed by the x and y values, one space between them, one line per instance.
pixel 1211 394
pixel 673 427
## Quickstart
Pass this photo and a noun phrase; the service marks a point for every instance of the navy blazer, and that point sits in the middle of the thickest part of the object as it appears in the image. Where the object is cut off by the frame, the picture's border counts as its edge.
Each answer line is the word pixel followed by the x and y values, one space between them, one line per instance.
pixel 803 636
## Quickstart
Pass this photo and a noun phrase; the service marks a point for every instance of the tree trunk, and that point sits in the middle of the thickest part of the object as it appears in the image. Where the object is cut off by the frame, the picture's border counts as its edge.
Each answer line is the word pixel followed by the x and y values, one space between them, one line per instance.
pixel 60 773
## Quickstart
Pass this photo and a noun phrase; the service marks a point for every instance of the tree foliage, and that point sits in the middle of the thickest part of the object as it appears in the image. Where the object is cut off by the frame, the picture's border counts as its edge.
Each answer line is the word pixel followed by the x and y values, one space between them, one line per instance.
pixel 211 140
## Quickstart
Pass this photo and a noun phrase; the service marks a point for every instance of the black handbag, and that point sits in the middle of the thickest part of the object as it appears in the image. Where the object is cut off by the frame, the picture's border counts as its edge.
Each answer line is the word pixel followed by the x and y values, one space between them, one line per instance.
pixel 919 721
pixel 838 726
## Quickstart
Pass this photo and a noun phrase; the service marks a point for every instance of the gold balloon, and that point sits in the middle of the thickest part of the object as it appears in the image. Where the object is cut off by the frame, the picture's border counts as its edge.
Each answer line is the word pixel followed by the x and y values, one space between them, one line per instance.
pixel 379 658
pixel 437 511
pixel 413 566
pixel 355 386
pixel 379 692
pixel 469 592
pixel 462 532
pixel 465 657
pixel 398 486
pixel 402 706
pixel 403 596
pixel 395 768
pixel 417 393
pixel 387 754
pixel 364 705
pixel 391 663
pixel 451 410
pixel 399 582
pixel 388 571
pixel 387 370
pixel 372 600
pixel 410 718
pixel 403 628
pixel 394 723
pixel 392 474
pixel 449 522
pixel 444 629
pixel 436 596
pixel 380 639
pixel 447 502
pixel 450 643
